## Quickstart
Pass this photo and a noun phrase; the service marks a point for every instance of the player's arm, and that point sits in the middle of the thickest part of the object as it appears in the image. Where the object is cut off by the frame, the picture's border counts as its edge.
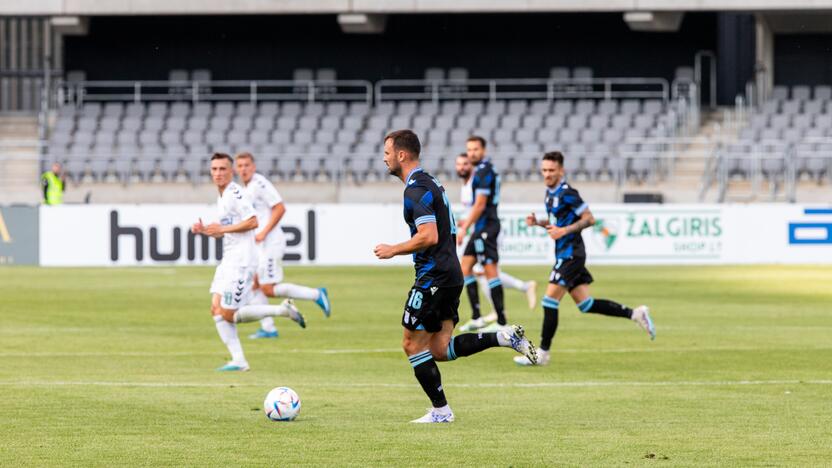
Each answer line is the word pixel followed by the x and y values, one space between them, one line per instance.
pixel 532 220
pixel 585 220
pixel 426 236
pixel 278 210
pixel 218 230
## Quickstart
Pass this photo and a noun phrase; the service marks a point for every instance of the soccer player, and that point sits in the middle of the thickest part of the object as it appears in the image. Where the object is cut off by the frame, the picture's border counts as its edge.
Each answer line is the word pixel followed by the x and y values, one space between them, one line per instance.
pixel 268 280
pixel 465 172
pixel 231 288
pixel 568 215
pixel 482 245
pixel 430 312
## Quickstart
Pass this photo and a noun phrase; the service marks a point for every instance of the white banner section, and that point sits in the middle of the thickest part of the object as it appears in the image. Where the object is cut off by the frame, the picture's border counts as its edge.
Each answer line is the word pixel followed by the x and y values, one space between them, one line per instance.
pixel 123 235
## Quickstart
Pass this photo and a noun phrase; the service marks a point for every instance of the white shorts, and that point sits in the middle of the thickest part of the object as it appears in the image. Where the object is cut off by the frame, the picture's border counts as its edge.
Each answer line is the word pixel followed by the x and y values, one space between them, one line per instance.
pixel 269 264
pixel 233 284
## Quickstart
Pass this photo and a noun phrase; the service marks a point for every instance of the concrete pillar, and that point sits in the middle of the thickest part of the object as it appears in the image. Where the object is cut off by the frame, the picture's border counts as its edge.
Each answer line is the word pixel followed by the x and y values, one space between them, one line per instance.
pixel 764 58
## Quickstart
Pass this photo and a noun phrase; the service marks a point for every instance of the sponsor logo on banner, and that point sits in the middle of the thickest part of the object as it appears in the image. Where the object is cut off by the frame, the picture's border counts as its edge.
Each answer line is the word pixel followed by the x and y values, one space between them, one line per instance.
pixel 667 233
pixel 818 231
pixel 186 245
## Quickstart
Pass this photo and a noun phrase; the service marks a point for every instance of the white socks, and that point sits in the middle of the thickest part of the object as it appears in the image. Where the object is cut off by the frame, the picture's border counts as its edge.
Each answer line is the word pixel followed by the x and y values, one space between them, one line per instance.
pixel 482 285
pixel 228 335
pixel 503 339
pixel 260 298
pixel 512 282
pixel 443 410
pixel 294 291
pixel 252 313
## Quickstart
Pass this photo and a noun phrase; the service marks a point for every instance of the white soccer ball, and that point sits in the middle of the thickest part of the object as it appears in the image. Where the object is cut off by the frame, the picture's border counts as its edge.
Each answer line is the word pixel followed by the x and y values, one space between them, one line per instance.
pixel 282 404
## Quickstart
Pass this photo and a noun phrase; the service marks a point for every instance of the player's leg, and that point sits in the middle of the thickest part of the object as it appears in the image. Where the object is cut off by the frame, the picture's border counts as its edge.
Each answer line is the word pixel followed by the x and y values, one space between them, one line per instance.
pixel 528 287
pixel 492 272
pixel 467 263
pixel 446 347
pixel 420 322
pixel 267 327
pixel 228 334
pixel 551 305
pixel 482 285
pixel 270 275
pixel 589 305
pixel 238 309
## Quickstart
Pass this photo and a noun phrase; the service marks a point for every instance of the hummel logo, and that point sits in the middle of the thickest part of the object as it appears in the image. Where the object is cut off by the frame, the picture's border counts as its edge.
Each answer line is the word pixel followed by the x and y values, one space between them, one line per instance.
pixel 411 182
pixel 433 289
pixel 413 320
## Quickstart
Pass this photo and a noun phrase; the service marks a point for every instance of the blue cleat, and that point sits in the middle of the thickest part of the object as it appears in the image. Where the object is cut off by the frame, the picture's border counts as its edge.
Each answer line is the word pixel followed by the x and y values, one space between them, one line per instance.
pixel 323 302
pixel 234 367
pixel 260 333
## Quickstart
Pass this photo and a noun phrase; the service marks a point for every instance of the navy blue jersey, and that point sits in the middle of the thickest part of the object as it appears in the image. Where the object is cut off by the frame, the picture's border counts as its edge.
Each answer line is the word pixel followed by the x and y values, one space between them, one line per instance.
pixel 564 206
pixel 487 182
pixel 425 202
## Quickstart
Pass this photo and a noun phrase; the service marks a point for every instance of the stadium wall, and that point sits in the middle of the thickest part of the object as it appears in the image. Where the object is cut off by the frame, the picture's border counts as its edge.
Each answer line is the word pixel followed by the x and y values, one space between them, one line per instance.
pixel 345 234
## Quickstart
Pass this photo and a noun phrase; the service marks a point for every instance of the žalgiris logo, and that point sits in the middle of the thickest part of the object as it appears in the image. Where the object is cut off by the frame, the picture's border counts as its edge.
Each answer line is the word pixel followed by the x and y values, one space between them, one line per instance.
pixel 658 233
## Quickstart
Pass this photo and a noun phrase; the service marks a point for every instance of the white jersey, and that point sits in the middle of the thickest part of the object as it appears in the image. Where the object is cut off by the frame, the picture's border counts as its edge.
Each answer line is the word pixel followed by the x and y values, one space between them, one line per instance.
pixel 264 196
pixel 467 195
pixel 234 207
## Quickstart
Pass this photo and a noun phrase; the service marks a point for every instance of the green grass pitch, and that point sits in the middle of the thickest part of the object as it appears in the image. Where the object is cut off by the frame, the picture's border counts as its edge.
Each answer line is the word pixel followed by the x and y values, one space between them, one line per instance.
pixel 105 367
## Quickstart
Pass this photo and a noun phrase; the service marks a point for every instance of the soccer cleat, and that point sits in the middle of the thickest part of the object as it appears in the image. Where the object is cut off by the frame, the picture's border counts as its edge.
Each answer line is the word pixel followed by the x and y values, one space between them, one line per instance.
pixel 473 324
pixel 260 333
pixel 518 341
pixel 492 317
pixel 641 315
pixel 434 416
pixel 294 313
pixel 234 367
pixel 542 359
pixel 323 302
pixel 531 294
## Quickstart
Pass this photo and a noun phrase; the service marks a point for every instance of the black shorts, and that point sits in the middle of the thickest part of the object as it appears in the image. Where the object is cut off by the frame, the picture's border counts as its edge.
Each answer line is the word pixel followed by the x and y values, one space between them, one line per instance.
pixel 570 273
pixel 483 245
pixel 427 308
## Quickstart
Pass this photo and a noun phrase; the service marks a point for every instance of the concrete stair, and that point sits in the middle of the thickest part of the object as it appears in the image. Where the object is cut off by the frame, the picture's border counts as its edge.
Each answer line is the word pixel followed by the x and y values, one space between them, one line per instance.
pixel 19 165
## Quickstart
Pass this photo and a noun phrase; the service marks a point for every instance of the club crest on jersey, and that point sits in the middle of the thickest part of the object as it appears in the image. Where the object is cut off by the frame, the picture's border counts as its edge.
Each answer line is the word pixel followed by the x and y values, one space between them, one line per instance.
pixel 226 221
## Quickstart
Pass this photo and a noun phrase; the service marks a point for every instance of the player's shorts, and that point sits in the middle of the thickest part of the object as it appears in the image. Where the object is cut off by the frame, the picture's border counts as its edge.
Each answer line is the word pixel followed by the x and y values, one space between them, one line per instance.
pixel 269 264
pixel 233 284
pixel 427 308
pixel 570 273
pixel 483 245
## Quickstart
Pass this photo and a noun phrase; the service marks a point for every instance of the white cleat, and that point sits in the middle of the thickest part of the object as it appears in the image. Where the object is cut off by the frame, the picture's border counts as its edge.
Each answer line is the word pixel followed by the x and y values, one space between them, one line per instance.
pixel 492 317
pixel 542 359
pixel 434 416
pixel 473 324
pixel 641 315
pixel 531 294
pixel 516 336
pixel 294 313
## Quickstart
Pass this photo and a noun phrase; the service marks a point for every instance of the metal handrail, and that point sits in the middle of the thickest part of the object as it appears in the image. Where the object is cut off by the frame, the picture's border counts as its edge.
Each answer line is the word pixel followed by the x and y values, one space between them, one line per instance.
pixel 215 90
pixel 492 89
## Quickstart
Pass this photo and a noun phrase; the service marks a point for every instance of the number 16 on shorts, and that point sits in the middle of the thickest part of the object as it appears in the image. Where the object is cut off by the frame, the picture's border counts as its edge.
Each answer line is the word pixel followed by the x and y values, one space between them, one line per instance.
pixel 412 309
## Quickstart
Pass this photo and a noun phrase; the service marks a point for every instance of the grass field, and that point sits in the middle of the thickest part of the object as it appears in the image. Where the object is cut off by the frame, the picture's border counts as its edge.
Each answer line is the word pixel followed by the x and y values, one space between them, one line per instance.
pixel 106 367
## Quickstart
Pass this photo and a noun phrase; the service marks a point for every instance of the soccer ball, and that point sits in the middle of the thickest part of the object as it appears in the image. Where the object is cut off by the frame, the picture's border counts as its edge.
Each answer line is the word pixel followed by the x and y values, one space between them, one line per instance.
pixel 282 404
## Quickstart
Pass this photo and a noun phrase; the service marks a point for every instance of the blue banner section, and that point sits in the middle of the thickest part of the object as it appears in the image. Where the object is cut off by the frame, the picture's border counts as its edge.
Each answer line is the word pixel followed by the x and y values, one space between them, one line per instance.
pixel 811 233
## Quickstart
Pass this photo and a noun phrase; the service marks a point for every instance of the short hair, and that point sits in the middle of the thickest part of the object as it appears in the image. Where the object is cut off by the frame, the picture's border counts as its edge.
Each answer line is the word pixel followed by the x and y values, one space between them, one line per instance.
pixel 245 155
pixel 476 138
pixel 222 156
pixel 554 156
pixel 462 155
pixel 405 140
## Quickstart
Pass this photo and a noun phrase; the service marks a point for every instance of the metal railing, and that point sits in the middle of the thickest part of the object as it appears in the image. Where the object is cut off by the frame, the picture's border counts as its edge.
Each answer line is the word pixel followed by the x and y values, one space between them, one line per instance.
pixel 219 90
pixel 522 88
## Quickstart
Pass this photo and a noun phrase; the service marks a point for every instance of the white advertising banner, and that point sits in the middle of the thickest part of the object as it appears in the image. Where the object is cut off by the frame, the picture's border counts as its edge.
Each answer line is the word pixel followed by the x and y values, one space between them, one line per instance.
pixel 331 234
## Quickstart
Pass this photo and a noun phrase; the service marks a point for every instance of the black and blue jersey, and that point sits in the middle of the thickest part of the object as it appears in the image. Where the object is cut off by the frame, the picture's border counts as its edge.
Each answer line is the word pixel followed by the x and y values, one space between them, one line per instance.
pixel 487 182
pixel 425 201
pixel 564 206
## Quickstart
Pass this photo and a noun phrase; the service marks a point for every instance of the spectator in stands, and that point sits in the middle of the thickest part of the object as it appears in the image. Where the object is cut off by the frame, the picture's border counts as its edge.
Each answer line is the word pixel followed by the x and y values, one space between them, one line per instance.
pixel 53 183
